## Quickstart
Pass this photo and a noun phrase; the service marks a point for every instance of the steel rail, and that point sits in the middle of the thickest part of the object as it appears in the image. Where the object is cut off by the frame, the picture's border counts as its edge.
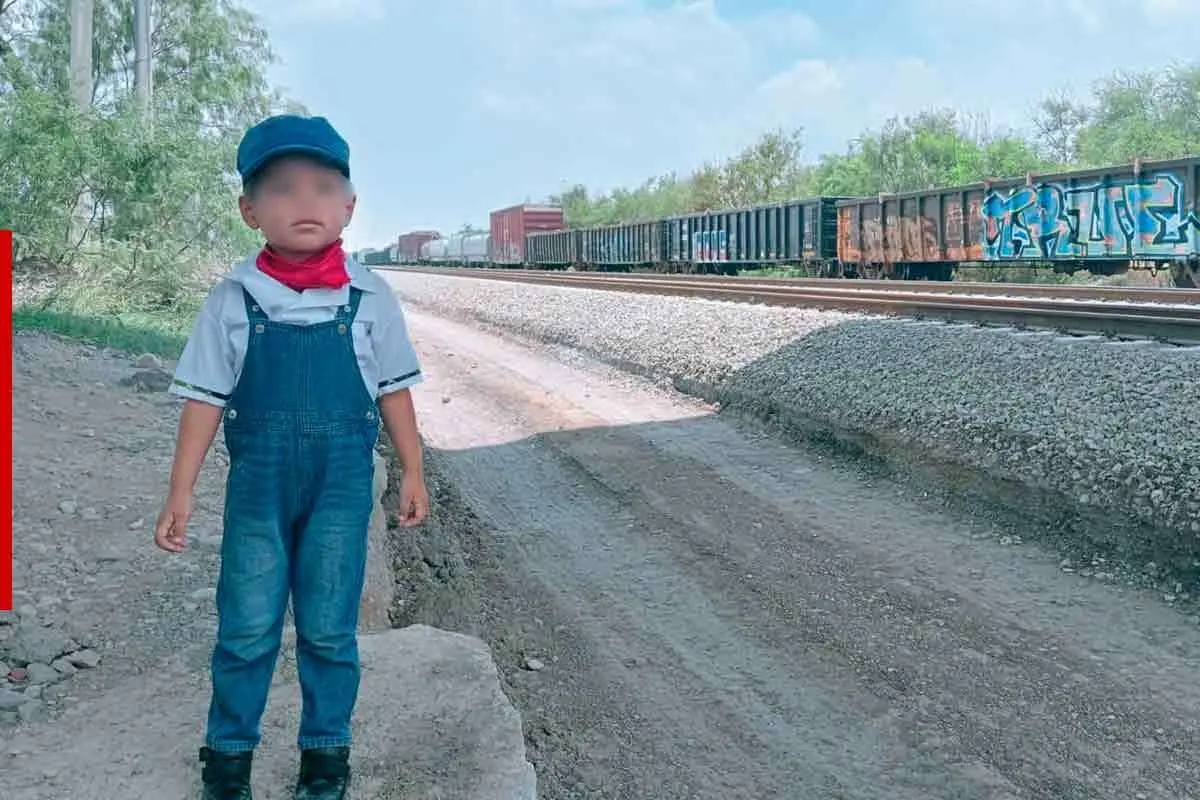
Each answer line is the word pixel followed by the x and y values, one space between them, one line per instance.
pixel 1144 294
pixel 1079 310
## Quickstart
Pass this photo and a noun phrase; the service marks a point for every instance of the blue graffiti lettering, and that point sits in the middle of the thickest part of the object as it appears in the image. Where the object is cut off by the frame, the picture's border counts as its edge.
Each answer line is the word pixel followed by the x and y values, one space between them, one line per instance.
pixel 711 246
pixel 1142 218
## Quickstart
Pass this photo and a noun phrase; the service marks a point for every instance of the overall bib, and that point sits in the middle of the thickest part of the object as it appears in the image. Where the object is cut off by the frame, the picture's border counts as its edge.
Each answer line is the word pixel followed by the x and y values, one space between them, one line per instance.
pixel 301 429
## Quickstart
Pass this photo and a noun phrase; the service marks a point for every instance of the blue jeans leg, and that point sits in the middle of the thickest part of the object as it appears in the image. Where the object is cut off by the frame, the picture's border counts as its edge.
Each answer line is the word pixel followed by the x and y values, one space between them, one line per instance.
pixel 330 565
pixel 252 594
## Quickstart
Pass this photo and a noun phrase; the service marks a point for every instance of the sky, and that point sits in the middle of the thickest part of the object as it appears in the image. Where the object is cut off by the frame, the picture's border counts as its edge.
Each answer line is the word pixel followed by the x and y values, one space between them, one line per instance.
pixel 455 108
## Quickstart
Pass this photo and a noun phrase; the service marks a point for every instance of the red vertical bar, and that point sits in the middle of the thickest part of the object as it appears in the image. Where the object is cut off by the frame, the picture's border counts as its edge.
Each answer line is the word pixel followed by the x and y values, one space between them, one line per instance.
pixel 6 502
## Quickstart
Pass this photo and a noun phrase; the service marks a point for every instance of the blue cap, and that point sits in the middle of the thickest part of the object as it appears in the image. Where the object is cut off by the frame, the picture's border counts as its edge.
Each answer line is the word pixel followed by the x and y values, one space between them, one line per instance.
pixel 289 134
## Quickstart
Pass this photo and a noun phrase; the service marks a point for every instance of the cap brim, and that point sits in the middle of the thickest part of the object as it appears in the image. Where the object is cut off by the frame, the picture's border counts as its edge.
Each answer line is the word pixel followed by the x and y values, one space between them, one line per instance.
pixel 315 153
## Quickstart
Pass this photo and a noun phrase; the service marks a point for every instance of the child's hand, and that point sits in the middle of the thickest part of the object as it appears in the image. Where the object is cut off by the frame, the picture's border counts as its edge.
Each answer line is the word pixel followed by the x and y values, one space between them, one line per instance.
pixel 414 500
pixel 171 531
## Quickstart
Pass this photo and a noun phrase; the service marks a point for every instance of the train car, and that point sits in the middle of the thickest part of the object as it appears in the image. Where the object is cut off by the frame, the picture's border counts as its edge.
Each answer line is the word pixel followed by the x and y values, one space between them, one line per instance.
pixel 377 258
pixel 470 249
pixel 1107 221
pixel 436 251
pixel 611 248
pixel 459 250
pixel 409 245
pixel 796 233
pixel 509 228
pixel 619 247
pixel 553 249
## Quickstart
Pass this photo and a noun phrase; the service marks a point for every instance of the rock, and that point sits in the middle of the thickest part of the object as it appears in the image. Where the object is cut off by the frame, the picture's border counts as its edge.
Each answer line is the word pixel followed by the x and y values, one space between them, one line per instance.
pixel 432 721
pixel 9 618
pixel 34 644
pixel 67 507
pixel 64 667
pixel 137 524
pixel 84 659
pixel 31 711
pixel 10 700
pixel 206 595
pixel 535 664
pixel 43 674
pixel 148 361
pixel 148 380
pixel 91 515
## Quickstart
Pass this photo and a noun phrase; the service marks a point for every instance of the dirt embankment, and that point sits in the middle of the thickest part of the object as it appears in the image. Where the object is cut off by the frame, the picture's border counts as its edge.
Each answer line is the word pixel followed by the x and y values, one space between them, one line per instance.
pixel 1087 445
pixel 682 606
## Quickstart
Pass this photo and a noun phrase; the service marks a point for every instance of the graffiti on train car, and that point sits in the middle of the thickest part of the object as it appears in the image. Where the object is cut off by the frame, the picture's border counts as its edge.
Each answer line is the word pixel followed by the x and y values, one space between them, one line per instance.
pixel 1142 217
pixel 711 246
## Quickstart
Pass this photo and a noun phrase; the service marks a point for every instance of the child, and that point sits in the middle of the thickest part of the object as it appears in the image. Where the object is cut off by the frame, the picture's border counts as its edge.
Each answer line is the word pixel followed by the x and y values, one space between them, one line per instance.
pixel 301 351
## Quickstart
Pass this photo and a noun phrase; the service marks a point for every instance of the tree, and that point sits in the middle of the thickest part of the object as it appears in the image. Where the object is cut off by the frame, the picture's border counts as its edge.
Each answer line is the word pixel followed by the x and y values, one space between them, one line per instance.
pixel 1056 124
pixel 162 198
pixel 1155 114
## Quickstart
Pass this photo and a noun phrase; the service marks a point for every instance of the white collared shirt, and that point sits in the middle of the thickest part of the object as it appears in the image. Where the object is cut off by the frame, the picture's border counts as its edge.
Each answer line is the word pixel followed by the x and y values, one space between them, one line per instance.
pixel 212 361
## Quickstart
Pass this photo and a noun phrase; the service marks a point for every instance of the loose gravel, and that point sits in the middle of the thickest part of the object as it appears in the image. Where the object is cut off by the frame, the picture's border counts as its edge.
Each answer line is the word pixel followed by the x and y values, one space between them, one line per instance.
pixel 1096 437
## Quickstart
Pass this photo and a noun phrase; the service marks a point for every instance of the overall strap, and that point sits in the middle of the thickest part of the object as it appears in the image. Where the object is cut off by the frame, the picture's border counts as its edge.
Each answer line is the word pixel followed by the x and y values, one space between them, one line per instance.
pixel 253 311
pixel 347 313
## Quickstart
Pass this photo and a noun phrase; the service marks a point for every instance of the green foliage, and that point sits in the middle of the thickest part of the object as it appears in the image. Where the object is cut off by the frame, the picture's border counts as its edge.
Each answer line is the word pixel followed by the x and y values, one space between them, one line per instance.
pixel 1149 115
pixel 161 334
pixel 122 210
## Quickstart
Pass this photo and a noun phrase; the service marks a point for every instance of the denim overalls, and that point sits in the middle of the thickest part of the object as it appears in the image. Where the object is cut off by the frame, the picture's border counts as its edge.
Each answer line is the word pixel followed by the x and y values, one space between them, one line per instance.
pixel 301 429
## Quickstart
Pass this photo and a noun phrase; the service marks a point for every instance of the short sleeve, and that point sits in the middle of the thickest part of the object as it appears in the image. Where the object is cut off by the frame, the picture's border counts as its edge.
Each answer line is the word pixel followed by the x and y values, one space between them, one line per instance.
pixel 395 356
pixel 206 370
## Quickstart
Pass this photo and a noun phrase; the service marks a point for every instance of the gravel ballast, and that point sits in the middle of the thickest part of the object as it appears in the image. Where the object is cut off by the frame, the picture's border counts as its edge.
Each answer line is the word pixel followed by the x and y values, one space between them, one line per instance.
pixel 1104 434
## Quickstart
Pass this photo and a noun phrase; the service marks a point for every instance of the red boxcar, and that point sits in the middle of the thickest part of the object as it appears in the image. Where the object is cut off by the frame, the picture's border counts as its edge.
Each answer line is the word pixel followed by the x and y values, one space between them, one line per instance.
pixel 409 245
pixel 509 226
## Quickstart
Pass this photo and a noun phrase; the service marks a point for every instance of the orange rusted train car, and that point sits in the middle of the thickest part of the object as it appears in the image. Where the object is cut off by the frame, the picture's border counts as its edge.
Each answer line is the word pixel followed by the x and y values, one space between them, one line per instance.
pixel 1102 220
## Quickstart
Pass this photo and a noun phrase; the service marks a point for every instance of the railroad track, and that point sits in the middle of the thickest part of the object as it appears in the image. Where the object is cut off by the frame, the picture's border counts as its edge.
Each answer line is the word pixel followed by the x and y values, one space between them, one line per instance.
pixel 1167 315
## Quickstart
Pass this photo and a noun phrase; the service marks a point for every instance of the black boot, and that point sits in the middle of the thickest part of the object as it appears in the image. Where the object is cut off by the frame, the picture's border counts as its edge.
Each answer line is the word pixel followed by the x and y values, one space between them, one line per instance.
pixel 324 774
pixel 226 776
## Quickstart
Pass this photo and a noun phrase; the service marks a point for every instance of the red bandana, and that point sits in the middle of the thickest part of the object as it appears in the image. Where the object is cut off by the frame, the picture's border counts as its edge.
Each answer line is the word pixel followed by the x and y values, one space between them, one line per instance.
pixel 325 270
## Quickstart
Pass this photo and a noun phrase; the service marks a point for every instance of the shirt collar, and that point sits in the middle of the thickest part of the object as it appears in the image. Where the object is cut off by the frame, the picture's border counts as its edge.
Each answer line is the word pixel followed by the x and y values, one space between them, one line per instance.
pixel 275 298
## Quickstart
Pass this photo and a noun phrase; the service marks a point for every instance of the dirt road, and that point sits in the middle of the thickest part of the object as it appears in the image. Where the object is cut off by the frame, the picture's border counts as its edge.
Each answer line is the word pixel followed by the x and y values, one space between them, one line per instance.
pixel 719 615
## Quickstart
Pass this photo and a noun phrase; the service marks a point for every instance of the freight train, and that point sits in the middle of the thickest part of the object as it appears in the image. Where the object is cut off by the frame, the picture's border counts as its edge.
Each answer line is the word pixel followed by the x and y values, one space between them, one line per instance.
pixel 1141 216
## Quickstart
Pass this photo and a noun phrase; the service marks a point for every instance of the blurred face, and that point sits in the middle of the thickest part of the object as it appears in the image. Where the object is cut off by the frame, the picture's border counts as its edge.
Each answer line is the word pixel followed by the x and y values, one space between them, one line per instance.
pixel 300 205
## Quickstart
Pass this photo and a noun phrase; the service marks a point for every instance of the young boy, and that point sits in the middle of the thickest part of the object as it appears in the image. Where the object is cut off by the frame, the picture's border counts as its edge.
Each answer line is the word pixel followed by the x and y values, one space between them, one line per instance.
pixel 301 351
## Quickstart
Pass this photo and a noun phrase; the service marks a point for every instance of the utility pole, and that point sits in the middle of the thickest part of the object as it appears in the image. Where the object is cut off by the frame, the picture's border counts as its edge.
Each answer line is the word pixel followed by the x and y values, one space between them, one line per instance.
pixel 82 12
pixel 141 53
